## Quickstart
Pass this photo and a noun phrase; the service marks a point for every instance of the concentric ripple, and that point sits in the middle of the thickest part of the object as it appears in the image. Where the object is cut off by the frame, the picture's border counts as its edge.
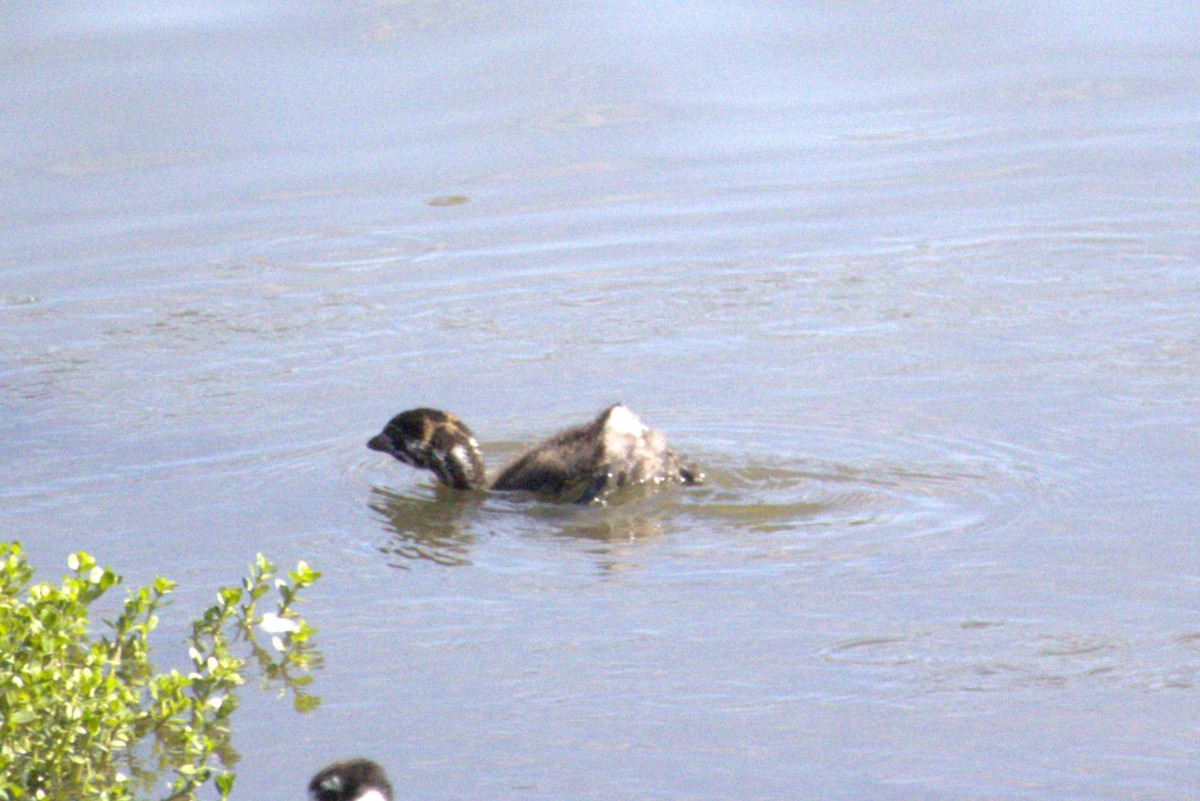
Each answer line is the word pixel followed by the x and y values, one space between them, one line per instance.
pixel 919 488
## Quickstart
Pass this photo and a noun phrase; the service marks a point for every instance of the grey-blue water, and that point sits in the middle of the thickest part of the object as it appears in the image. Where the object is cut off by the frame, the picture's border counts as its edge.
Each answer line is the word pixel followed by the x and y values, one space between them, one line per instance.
pixel 918 286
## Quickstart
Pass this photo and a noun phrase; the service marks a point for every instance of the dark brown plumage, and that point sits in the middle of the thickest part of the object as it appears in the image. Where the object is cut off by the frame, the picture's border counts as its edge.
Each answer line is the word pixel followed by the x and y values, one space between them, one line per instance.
pixel 578 464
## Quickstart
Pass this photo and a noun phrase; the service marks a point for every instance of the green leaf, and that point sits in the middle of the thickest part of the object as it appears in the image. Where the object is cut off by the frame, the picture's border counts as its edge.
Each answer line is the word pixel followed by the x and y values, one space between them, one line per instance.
pixel 224 782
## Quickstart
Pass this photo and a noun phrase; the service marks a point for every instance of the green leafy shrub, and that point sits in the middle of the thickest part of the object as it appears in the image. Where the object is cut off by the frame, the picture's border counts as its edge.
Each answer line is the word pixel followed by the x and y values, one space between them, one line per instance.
pixel 80 714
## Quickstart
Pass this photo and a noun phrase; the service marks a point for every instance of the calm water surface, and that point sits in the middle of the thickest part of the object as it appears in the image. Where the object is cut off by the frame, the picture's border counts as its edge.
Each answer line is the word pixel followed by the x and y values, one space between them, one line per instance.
pixel 917 287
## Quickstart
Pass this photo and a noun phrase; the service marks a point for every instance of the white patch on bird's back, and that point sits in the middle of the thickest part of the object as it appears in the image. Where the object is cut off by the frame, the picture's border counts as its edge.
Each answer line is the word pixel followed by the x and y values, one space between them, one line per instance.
pixel 624 438
pixel 622 422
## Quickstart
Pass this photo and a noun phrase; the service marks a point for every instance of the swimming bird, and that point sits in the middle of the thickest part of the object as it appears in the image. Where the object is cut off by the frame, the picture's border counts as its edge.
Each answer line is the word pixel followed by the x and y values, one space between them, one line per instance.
pixel 577 464
pixel 352 780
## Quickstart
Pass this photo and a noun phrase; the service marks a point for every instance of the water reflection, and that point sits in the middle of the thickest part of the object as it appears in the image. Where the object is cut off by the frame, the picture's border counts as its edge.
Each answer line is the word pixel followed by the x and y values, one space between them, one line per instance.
pixel 628 514
pixel 869 505
pixel 421 528
pixel 443 526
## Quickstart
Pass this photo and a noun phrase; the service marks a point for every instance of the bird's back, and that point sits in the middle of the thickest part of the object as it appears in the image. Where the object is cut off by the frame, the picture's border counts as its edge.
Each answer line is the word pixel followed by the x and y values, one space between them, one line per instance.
pixel 581 463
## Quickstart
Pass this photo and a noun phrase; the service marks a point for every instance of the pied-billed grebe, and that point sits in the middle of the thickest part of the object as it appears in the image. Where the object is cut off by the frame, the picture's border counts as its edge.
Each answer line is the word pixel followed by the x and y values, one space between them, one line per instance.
pixel 352 780
pixel 578 464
